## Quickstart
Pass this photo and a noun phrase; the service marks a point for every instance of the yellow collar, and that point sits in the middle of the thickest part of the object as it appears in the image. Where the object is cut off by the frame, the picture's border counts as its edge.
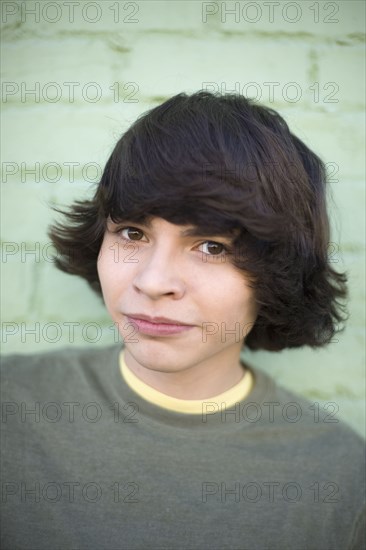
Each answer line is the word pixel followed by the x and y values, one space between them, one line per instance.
pixel 219 402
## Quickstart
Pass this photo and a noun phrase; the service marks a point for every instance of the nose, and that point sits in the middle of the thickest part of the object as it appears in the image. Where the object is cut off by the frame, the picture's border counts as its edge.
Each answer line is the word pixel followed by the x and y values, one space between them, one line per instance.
pixel 159 274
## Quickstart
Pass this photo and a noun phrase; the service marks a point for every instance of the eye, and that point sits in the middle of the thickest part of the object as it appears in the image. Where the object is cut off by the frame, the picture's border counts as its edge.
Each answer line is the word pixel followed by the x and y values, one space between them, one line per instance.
pixel 214 249
pixel 131 233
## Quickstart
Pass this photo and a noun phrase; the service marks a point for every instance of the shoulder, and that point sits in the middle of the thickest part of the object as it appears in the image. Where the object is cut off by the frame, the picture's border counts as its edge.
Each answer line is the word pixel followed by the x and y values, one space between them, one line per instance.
pixel 318 430
pixel 23 374
pixel 61 357
pixel 317 446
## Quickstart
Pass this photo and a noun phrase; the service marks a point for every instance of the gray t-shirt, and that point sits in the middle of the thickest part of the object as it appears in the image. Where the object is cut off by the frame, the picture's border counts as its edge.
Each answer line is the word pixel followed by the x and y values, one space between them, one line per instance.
pixel 87 463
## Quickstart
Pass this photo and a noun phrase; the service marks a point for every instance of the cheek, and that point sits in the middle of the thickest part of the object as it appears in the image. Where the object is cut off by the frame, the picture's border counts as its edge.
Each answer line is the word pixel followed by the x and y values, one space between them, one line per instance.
pixel 239 301
pixel 102 264
pixel 115 273
pixel 225 298
pixel 107 270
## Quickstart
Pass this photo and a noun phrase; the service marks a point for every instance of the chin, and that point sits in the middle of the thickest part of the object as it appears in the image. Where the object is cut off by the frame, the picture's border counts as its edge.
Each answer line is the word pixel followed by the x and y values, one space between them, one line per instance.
pixel 158 358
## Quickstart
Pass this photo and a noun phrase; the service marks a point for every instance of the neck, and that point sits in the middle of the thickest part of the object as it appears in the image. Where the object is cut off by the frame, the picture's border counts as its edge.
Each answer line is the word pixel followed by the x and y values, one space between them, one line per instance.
pixel 201 381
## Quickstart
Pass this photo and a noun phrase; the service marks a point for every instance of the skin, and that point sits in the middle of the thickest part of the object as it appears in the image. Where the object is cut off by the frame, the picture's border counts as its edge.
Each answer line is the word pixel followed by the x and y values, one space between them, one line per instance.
pixel 178 277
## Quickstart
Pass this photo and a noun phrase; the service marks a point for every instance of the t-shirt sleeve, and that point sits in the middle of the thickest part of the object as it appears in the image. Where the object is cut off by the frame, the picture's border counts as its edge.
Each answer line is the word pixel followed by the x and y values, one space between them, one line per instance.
pixel 358 539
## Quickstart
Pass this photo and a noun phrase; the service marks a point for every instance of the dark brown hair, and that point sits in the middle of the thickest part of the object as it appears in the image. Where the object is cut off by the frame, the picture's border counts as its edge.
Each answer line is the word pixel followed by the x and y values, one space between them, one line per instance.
pixel 224 164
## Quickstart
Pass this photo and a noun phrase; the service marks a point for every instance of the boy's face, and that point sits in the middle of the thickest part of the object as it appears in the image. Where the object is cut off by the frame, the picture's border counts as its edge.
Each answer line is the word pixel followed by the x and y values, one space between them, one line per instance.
pixel 158 272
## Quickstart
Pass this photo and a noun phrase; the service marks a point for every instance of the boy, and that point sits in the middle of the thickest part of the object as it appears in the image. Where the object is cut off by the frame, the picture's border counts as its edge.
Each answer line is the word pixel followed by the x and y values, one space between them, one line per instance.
pixel 208 232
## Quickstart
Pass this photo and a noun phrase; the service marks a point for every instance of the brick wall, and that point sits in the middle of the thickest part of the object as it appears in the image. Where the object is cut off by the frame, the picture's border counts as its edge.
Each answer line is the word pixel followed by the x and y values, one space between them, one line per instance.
pixel 76 74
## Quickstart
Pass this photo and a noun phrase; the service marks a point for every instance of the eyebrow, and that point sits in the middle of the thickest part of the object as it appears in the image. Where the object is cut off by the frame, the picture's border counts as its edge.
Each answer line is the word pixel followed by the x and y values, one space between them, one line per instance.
pixel 196 231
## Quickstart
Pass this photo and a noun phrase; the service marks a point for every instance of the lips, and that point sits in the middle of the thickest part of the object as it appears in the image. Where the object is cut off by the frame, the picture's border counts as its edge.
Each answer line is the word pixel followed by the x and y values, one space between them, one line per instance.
pixel 157 326
pixel 156 320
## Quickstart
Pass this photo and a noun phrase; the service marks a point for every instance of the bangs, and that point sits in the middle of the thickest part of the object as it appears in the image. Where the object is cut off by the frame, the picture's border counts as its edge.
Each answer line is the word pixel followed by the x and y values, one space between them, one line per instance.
pixel 181 166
